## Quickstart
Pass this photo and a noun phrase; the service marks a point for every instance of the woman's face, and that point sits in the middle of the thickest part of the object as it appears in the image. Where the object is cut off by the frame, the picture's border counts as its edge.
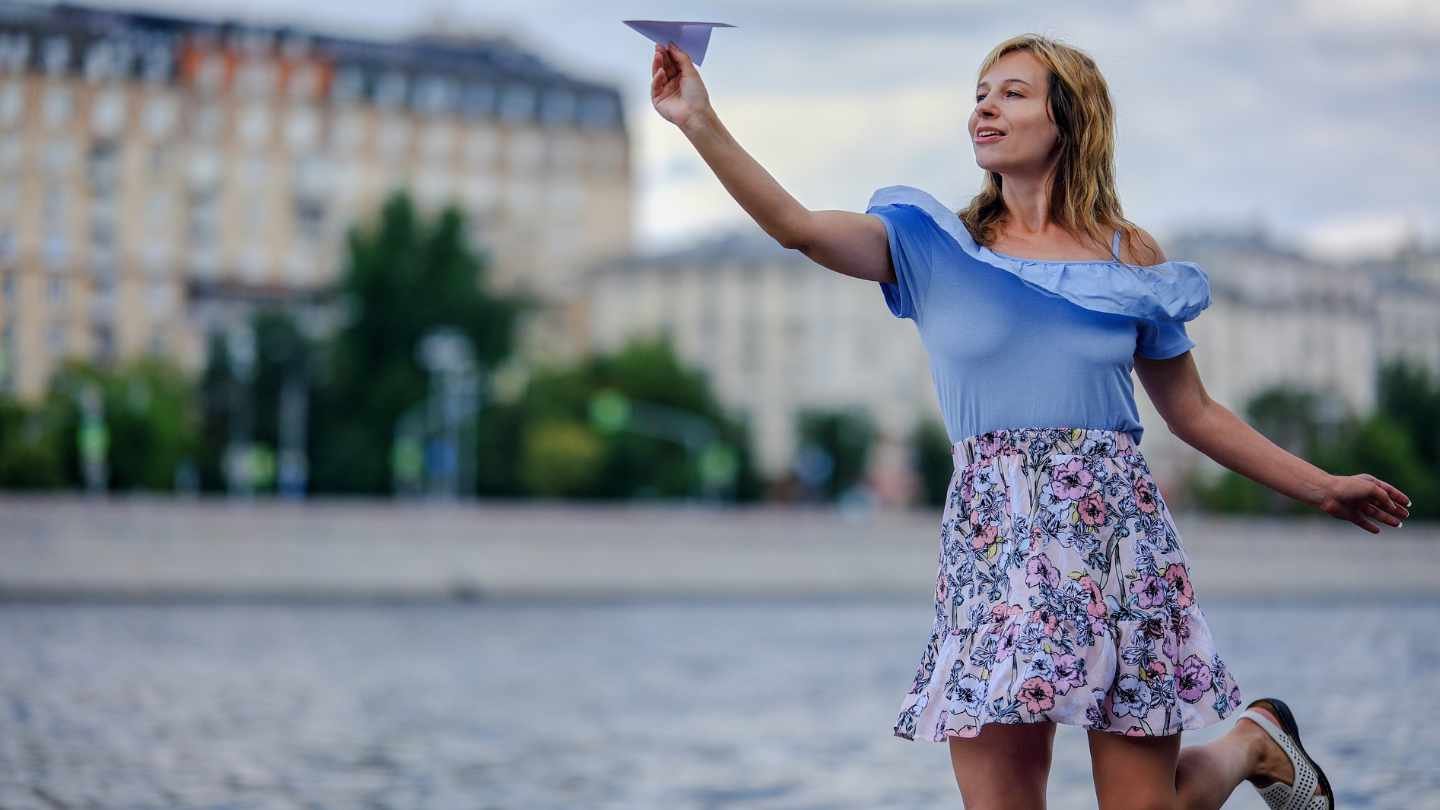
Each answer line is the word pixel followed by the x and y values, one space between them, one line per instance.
pixel 1011 98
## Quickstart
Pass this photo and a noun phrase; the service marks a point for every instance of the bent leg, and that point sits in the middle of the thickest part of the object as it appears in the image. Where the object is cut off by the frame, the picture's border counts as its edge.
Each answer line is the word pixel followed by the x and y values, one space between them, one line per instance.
pixel 1134 773
pixel 1154 772
pixel 1005 767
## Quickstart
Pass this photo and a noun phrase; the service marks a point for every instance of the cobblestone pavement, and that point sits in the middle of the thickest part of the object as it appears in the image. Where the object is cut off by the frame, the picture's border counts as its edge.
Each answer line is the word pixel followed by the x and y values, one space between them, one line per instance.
pixel 629 703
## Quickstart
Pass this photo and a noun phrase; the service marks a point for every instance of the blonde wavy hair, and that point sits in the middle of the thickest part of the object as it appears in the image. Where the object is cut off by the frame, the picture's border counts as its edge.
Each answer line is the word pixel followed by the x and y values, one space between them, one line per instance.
pixel 1083 198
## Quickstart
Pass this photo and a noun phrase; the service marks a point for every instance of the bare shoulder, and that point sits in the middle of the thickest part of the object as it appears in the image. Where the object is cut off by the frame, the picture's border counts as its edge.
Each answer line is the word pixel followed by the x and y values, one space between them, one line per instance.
pixel 1143 250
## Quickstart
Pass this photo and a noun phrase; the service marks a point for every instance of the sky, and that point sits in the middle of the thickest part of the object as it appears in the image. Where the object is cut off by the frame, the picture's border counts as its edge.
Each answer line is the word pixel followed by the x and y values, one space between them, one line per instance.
pixel 1316 121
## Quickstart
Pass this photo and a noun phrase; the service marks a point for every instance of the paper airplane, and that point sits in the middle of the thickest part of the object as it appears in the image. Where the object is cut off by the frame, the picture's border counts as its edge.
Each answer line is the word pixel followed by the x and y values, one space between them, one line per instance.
pixel 692 37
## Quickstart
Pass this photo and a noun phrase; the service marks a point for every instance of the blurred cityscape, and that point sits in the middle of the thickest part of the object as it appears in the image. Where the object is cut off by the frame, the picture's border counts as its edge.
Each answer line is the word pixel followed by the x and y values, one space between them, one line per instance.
pixel 247 259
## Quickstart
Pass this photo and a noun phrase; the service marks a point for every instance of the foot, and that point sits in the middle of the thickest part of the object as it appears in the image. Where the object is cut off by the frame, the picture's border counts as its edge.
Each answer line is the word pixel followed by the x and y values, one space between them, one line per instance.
pixel 1270 762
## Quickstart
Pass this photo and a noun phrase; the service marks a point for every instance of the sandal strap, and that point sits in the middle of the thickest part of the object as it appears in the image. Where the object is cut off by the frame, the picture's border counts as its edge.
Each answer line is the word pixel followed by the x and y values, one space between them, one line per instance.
pixel 1301 794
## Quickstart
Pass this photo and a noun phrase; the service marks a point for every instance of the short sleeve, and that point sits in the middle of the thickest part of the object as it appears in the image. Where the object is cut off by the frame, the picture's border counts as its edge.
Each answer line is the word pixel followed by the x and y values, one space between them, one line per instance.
pixel 1159 340
pixel 911 234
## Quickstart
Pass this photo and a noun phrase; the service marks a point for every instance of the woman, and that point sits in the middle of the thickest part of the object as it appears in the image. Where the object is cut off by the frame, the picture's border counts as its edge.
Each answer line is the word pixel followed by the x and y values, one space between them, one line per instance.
pixel 1063 594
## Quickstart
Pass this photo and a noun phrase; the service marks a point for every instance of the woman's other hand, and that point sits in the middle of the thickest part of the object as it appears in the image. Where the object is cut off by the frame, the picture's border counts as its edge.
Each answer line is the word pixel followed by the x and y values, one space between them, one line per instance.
pixel 675 86
pixel 1361 498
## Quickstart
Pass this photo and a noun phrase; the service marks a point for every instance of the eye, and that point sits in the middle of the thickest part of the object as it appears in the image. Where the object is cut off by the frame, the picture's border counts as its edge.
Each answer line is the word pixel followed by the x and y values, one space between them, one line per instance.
pixel 1008 93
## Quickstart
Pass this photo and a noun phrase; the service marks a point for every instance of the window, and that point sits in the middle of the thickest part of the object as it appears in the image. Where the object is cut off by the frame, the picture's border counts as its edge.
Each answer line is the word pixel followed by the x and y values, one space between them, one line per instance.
pixel 303 127
pixel 14 52
pixel 100 61
pixel 557 106
pixel 57 105
pixel 56 55
pixel 517 103
pixel 57 289
pixel 348 85
pixel 104 167
pixel 255 123
pixel 107 117
pixel 478 99
pixel 160 116
pixel 157 66
pixel 390 91
pixel 161 299
pixel 103 340
pixel 599 111
pixel 434 94
pixel 12 102
pixel 55 338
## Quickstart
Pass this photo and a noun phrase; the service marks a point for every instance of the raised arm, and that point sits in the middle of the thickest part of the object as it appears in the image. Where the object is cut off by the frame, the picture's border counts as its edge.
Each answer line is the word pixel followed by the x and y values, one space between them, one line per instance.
pixel 850 243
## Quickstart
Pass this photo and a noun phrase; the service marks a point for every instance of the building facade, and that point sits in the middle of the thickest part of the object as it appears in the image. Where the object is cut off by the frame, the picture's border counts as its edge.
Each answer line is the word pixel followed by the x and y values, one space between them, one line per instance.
pixel 159 175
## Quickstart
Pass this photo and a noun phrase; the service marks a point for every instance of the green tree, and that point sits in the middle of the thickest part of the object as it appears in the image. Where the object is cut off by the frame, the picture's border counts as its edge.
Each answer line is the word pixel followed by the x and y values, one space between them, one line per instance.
pixel 151 415
pixel 931 447
pixel 844 437
pixel 404 276
pixel 30 455
pixel 661 392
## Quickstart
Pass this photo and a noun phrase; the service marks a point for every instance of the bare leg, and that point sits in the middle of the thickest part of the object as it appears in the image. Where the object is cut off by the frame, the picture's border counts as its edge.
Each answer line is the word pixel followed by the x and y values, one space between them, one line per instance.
pixel 1134 773
pixel 1005 767
pixel 1131 772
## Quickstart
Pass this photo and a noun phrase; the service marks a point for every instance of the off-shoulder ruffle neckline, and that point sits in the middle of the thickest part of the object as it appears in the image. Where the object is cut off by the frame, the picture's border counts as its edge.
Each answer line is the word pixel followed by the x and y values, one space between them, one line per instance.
pixel 1169 291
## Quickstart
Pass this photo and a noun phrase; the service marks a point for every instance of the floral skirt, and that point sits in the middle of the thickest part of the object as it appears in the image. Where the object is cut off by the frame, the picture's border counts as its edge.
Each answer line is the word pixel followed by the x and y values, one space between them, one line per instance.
pixel 1063 595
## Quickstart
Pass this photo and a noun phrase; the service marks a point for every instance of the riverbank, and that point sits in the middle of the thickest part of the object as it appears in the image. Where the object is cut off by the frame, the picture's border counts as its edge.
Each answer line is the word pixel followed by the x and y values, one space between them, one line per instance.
pixel 75 548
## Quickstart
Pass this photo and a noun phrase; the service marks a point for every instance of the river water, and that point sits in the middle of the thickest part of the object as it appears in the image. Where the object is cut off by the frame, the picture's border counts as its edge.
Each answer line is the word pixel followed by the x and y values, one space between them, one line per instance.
pixel 645 703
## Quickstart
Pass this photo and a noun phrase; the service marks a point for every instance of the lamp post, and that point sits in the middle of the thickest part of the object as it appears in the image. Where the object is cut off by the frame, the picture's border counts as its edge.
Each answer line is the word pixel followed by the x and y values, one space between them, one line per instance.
pixel 240 341
pixel 451 404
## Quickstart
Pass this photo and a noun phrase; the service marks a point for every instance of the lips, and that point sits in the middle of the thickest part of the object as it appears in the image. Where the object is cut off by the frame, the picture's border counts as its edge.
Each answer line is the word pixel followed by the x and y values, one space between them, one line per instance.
pixel 989 138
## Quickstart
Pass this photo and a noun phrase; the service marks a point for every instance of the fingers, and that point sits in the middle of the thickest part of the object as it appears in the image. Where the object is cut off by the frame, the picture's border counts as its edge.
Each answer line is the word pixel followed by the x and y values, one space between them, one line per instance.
pixel 1389 498
pixel 1379 513
pixel 1395 493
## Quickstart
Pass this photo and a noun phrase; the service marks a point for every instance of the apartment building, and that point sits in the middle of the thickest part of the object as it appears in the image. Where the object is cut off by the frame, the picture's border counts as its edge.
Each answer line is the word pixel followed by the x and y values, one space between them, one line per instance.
pixel 160 175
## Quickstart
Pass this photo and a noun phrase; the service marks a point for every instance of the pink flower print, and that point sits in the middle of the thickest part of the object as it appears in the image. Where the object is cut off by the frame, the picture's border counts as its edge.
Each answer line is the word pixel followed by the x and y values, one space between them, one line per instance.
pixel 1003 611
pixel 1092 509
pixel 1046 617
pixel 942 588
pixel 1039 569
pixel 1158 670
pixel 988 443
pixel 1135 731
pixel 1070 481
pixel 1069 672
pixel 1149 590
pixel 1038 694
pixel 1145 494
pixel 1008 637
pixel 1179 580
pixel 984 537
pixel 1180 633
pixel 1096 607
pixel 1193 678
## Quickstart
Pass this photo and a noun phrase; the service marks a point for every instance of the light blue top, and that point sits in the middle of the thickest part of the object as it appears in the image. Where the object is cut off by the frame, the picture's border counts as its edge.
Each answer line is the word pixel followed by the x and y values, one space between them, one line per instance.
pixel 1023 343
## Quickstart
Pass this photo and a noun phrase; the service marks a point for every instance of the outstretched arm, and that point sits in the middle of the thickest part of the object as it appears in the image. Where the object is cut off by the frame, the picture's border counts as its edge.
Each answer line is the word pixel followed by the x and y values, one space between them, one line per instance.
pixel 1175 389
pixel 847 242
